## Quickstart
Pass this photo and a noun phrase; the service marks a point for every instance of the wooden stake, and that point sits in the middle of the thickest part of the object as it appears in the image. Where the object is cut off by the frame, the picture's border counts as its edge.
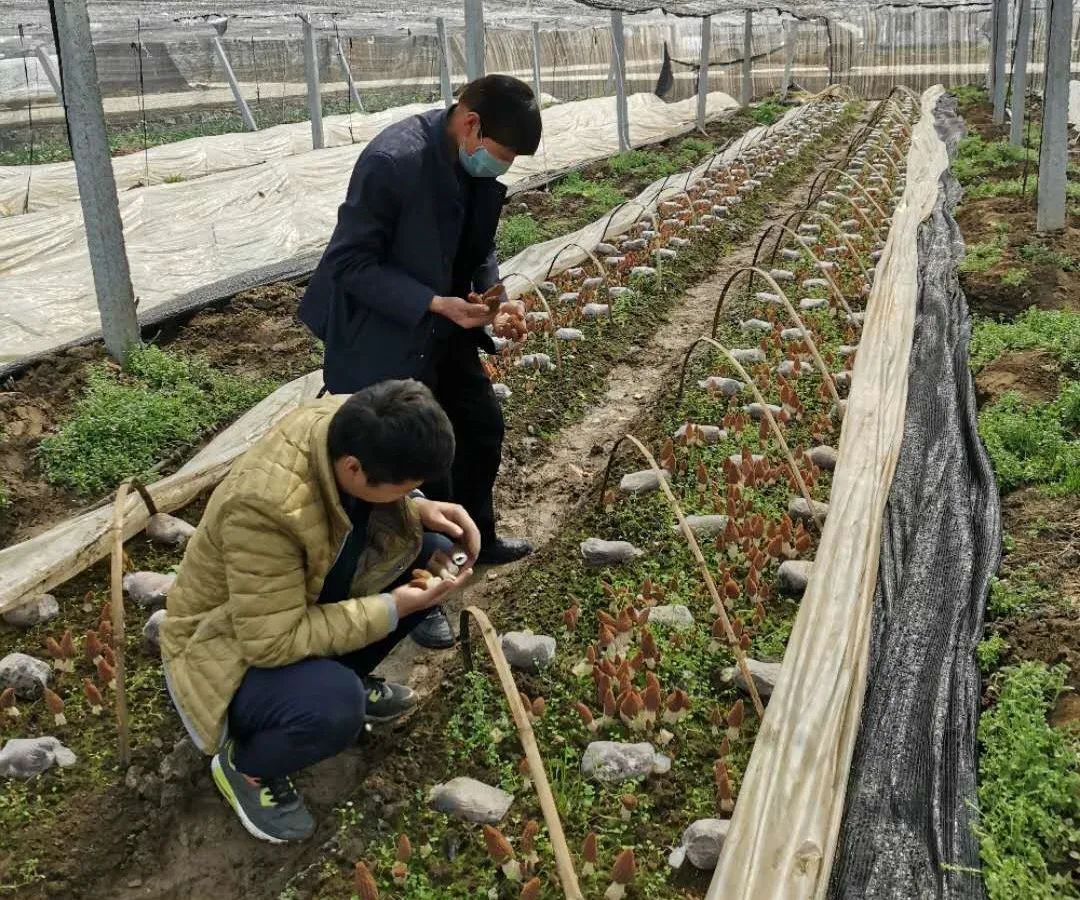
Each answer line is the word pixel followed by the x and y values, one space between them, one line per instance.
pixel 117 605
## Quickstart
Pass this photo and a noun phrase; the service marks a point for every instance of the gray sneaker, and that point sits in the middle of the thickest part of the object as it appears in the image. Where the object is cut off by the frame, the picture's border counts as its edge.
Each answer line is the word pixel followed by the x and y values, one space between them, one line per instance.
pixel 387 700
pixel 270 809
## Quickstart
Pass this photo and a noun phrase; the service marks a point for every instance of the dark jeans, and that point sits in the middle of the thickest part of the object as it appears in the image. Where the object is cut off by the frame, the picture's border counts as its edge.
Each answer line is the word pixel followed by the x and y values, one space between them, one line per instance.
pixel 458 382
pixel 286 719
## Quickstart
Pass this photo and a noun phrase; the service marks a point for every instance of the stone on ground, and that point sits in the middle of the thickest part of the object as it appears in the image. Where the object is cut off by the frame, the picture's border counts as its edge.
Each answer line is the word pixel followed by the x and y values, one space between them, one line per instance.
pixel 798 509
pixel 570 334
pixel 152 631
pixel 793 576
pixel 598 552
pixel 148 589
pixel 712 434
pixel 183 762
pixel 644 482
pixel 674 616
pixel 701 844
pixel 41 609
pixel 612 762
pixel 749 356
pixel 756 411
pixel 765 675
pixel 470 800
pixel 823 456
pixel 30 757
pixel 729 387
pixel 169 530
pixel 528 652
pixel 26 674
pixel 704 526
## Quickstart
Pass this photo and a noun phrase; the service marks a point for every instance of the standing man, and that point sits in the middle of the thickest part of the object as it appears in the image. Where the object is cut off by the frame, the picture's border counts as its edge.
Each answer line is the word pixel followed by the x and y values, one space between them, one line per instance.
pixel 395 293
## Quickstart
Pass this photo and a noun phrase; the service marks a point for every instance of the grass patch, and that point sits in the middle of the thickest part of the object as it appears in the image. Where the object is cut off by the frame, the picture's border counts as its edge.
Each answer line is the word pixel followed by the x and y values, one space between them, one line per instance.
pixel 600 193
pixel 989 653
pixel 1057 331
pixel 515 233
pixel 1029 789
pixel 1038 254
pixel 1036 444
pixel 976 159
pixel 767 112
pixel 1015 592
pixel 981 257
pixel 1015 276
pixel 130 420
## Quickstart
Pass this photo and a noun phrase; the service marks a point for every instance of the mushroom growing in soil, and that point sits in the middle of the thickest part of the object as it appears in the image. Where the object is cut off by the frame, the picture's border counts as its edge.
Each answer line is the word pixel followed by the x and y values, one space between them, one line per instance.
pixel 106 674
pixel 735 720
pixel 531 889
pixel 7 703
pixel 725 799
pixel 588 855
pixel 364 883
pixel 528 844
pixel 93 697
pixel 92 647
pixel 62 662
pixel 586 716
pixel 400 872
pixel 622 874
pixel 538 707
pixel 627 803
pixel 499 849
pixel 55 706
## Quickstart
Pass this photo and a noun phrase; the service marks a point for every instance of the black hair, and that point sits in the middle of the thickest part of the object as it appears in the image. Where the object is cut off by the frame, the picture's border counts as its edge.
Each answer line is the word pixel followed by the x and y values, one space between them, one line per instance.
pixel 509 111
pixel 397 430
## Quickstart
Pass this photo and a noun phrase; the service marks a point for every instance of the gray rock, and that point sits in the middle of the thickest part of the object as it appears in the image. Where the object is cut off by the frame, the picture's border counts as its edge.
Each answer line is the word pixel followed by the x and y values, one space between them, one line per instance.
pixel 535 362
pixel 596 310
pixel 782 274
pixel 701 844
pixel 614 262
pixel 26 674
pixel 813 303
pixel 41 609
pixel 848 349
pixel 575 272
pixel 569 334
pixel 757 412
pixel 823 456
pixel 642 272
pixel 729 387
pixel 502 392
pixel 528 652
pixel 664 253
pixel 791 334
pixel 592 283
pixel 569 297
pixel 755 326
pixel 597 552
pixel 754 458
pixel 764 674
pixel 811 284
pixel 470 800
pixel 149 589
pixel 768 297
pixel 674 616
pixel 791 254
pixel 618 291
pixel 633 245
pixel 644 482
pixel 712 434
pixel 798 509
pixel 857 318
pixel 838 411
pixel 152 631
pixel 704 526
pixel 29 757
pixel 169 530
pixel 749 355
pixel 537 316
pixel 612 762
pixel 183 762
pixel 793 575
pixel 549 288
pixel 603 249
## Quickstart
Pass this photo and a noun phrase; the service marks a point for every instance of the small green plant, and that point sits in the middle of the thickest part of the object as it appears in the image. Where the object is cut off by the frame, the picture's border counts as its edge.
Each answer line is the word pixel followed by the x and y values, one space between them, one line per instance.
pixel 601 193
pixel 1035 443
pixel 516 233
pixel 129 421
pixel 1038 254
pixel 976 159
pixel 989 652
pixel 767 112
pixel 1016 591
pixel 1029 789
pixel 1058 331
pixel 174 179
pixel 968 95
pixel 1015 276
pixel 980 257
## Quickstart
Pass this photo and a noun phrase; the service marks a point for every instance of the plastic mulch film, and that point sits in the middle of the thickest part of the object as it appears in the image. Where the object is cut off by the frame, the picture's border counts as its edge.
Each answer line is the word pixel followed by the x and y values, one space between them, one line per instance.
pixel 907 830
pixel 783 834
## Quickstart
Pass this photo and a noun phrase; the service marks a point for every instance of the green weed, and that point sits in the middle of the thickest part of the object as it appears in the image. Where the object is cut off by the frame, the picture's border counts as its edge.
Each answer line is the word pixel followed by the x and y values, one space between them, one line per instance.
pixel 1029 789
pixel 989 652
pixel 1035 443
pixel 1058 331
pixel 968 95
pixel 601 193
pixel 1015 592
pixel 1039 254
pixel 516 233
pixel 976 159
pixel 174 179
pixel 1015 276
pixel 980 257
pixel 129 421
pixel 767 112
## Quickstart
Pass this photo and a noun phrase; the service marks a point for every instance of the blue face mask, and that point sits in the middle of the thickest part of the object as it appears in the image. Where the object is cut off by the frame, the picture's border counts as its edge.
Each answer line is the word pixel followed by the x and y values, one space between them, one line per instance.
pixel 481 164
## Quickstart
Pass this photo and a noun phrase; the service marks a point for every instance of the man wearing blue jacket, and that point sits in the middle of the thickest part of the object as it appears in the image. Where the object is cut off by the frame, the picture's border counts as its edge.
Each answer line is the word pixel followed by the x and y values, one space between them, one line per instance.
pixel 413 245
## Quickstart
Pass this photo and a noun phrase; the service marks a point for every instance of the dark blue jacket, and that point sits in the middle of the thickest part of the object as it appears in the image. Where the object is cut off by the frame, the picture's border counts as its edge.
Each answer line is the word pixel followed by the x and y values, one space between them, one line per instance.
pixel 398 233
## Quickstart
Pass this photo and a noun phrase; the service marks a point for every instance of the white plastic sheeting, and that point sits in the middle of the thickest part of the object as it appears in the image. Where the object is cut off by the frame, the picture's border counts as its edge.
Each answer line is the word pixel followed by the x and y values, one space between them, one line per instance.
pixel 42 562
pixel 783 834
pixel 181 237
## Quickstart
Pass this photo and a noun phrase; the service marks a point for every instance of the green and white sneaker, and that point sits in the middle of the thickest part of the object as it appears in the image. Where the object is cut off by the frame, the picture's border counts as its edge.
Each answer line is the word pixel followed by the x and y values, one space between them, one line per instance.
pixel 270 808
pixel 386 700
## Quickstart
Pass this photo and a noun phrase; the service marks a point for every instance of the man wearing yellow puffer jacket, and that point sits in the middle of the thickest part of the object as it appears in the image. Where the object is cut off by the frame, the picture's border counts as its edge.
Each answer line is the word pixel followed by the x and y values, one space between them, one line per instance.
pixel 295 587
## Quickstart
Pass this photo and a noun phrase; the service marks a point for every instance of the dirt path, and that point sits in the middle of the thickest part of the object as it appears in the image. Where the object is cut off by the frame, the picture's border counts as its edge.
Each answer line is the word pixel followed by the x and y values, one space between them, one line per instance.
pixel 204 853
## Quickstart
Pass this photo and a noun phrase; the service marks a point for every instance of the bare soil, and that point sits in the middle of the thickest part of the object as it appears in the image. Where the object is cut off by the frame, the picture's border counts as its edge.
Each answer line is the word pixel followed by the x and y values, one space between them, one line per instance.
pixel 192 847
pixel 1031 373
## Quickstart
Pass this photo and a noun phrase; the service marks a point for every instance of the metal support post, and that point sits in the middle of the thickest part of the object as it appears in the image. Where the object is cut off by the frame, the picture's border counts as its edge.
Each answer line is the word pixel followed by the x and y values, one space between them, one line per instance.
pixel 703 70
pixel 344 60
pixel 474 39
pixel 230 76
pixel 1054 152
pixel 618 52
pixel 791 38
pixel 314 98
pixel 444 64
pixel 746 94
pixel 46 64
pixel 536 59
pixel 1019 79
pixel 93 170
pixel 1001 46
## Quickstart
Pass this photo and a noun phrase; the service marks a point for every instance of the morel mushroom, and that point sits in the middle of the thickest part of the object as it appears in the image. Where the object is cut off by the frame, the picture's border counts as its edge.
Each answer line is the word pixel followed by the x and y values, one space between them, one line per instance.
pixel 93 697
pixel 364 883
pixel 61 662
pixel 106 674
pixel 586 716
pixel 531 889
pixel 627 803
pixel 92 647
pixel 588 855
pixel 735 720
pixel 55 706
pixel 499 849
pixel 622 874
pixel 400 871
pixel 7 703
pixel 528 843
pixel 725 799
pixel 539 706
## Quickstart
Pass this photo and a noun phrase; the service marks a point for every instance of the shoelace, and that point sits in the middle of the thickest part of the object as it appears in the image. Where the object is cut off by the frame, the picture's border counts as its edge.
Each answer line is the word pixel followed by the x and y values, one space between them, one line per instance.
pixel 281 790
pixel 374 688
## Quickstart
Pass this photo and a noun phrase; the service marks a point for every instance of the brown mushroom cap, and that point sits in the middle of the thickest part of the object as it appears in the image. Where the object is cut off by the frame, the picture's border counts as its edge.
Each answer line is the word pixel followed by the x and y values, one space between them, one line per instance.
pixel 588 848
pixel 625 867
pixel 404 848
pixel 53 702
pixel 531 889
pixel 498 847
pixel 364 882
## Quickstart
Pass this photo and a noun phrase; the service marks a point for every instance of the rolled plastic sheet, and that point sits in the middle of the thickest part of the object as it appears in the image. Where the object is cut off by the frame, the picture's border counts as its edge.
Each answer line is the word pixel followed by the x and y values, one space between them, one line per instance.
pixel 783 834
pixel 183 236
pixel 911 801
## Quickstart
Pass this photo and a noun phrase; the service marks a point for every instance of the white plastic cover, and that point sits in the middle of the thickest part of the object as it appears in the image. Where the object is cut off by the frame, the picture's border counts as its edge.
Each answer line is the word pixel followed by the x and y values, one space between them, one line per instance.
pixel 181 237
pixel 783 834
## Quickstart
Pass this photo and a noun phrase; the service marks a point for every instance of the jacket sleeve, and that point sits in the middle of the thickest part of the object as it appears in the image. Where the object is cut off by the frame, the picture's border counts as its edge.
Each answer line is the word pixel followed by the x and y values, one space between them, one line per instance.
pixel 274 624
pixel 360 246
pixel 488 273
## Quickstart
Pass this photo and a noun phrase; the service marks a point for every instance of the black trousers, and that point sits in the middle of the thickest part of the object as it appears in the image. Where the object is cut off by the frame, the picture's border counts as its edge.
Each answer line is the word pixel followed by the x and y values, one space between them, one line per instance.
pixel 458 382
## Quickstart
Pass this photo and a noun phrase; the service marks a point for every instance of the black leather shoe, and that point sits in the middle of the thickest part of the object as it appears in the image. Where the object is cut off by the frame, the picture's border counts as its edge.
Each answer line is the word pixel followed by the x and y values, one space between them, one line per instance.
pixel 434 631
pixel 503 551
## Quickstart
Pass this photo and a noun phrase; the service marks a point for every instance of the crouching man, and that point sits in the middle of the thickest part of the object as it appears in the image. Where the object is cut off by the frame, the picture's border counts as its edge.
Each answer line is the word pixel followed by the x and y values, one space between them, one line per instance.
pixel 296 586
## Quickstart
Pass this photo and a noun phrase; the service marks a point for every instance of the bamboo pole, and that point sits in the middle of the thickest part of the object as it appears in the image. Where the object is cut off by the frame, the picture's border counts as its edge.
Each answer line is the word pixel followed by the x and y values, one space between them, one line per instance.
pixel 117 608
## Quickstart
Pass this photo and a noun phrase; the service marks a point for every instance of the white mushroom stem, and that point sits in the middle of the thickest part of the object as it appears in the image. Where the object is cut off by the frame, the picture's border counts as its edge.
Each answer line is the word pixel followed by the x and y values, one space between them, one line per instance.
pixel 60 719
pixel 615 891
pixel 512 870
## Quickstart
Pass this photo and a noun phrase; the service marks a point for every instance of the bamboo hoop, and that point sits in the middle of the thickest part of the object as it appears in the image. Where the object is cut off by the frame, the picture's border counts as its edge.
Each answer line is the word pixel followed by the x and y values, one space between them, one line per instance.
pixel 551 316
pixel 116 590
pixel 843 237
pixel 596 262
pixel 564 863
pixel 839 294
pixel 855 181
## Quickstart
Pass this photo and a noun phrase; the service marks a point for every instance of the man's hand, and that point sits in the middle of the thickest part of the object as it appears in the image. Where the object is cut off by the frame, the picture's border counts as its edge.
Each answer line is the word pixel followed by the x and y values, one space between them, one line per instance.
pixel 510 321
pixel 412 599
pixel 451 520
pixel 461 312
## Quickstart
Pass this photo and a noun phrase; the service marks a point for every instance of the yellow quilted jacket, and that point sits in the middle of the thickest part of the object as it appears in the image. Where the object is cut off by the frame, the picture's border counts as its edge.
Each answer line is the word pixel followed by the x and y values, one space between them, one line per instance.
pixel 247 587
